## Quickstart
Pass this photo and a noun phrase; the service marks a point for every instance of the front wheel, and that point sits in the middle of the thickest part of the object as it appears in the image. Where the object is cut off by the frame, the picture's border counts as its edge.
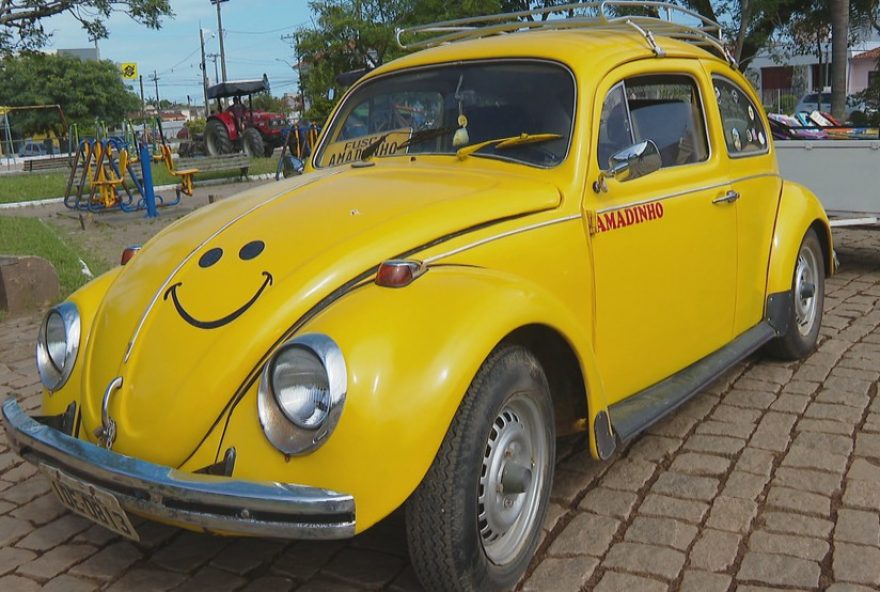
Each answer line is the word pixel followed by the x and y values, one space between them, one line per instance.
pixel 253 143
pixel 474 522
pixel 808 298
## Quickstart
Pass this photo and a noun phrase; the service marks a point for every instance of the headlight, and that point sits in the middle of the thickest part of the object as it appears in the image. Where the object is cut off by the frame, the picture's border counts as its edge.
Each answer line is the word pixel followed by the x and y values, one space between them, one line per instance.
pixel 302 392
pixel 57 345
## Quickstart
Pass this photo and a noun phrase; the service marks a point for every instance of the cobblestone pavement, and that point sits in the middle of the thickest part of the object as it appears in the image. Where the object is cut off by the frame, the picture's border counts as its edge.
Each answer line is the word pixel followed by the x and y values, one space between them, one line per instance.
pixel 769 480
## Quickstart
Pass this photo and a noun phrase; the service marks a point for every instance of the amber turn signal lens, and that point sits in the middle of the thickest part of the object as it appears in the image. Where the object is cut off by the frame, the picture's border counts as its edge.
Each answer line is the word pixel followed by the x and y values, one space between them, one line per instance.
pixel 397 273
pixel 128 253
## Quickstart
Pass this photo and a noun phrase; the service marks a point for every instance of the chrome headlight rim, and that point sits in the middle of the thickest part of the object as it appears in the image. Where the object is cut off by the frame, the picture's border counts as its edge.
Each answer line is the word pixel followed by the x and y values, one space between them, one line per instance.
pixel 53 377
pixel 283 433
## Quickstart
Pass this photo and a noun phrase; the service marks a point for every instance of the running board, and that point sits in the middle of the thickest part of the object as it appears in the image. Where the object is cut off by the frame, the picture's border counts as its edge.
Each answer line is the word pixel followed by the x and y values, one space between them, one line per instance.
pixel 638 412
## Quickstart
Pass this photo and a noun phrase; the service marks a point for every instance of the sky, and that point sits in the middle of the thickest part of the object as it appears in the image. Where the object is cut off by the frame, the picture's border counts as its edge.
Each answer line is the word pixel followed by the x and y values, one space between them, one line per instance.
pixel 252 44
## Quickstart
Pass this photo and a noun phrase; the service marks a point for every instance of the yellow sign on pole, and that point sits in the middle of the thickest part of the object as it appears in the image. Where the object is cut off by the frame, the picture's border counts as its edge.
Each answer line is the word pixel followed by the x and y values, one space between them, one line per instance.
pixel 129 70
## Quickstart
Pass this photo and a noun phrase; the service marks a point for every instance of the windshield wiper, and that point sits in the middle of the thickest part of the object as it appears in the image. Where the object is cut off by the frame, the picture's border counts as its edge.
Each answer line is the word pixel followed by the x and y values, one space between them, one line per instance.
pixel 416 138
pixel 510 142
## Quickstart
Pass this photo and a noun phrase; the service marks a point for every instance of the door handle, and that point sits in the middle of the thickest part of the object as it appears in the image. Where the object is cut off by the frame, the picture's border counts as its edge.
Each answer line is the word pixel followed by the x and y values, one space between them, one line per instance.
pixel 729 197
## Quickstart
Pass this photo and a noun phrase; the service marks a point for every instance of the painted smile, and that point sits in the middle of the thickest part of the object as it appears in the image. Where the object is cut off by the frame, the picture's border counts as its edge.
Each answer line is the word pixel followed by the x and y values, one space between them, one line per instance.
pixel 172 291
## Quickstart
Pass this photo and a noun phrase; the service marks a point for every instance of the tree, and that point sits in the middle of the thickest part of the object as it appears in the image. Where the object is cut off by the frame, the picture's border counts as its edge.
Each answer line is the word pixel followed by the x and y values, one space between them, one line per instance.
pixel 839 57
pixel 20 20
pixel 352 34
pixel 266 102
pixel 85 90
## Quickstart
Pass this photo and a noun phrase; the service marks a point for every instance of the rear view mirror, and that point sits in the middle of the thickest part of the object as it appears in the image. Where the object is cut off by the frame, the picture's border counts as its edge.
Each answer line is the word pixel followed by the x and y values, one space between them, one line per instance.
pixel 630 163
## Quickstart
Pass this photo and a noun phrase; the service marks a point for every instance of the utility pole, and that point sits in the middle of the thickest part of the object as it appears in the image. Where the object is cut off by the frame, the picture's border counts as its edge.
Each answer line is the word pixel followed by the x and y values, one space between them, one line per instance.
pixel 220 32
pixel 293 39
pixel 155 79
pixel 143 103
pixel 204 69
pixel 213 57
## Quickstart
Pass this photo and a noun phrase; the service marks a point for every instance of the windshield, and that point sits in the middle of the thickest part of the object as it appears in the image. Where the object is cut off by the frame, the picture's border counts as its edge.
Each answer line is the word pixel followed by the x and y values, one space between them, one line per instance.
pixel 440 109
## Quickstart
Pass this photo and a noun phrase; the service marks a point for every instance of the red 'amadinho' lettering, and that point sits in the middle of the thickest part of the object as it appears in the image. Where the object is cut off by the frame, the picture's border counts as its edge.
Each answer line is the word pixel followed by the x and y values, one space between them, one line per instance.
pixel 629 216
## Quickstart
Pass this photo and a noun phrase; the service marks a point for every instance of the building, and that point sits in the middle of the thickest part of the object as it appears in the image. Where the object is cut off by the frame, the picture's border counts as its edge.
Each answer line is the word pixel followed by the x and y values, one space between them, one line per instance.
pixel 778 73
pixel 85 54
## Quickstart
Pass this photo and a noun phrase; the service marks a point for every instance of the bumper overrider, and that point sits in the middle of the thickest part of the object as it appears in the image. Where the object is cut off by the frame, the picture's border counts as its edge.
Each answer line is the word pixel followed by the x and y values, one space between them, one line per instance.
pixel 213 503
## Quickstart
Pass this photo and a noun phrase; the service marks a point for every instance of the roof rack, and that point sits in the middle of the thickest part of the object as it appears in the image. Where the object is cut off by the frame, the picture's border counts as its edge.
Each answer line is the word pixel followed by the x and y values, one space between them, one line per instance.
pixel 597 16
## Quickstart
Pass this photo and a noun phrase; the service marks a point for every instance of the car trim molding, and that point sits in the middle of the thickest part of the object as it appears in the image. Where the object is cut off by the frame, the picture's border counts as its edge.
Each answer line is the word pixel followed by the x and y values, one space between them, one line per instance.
pixel 214 503
pixel 685 192
pixel 483 241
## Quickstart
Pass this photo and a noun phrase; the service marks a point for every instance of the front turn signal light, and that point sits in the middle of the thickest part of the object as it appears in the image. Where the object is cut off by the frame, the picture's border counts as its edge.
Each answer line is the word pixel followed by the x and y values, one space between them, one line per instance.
pixel 128 253
pixel 398 273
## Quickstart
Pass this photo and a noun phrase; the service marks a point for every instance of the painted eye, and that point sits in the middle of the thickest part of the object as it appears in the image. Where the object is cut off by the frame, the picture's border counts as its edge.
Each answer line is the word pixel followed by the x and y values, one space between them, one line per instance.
pixel 251 250
pixel 211 257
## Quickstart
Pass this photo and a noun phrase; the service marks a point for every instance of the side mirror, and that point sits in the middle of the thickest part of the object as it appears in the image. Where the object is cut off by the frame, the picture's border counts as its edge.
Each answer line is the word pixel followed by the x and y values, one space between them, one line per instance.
pixel 630 163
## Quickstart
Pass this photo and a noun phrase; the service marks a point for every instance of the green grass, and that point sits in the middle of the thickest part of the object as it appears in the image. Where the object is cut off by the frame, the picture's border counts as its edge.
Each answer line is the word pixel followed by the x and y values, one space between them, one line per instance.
pixel 31 236
pixel 36 186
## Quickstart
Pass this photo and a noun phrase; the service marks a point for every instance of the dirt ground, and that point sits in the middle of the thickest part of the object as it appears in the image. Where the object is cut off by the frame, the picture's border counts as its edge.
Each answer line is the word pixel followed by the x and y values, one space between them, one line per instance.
pixel 104 235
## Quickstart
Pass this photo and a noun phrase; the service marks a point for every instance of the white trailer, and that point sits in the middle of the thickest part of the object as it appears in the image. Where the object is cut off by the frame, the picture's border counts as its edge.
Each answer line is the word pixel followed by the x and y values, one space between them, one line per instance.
pixel 844 175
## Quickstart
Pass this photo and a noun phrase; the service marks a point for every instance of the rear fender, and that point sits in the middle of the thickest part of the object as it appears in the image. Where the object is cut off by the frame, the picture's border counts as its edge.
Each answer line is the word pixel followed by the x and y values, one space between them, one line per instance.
pixel 411 355
pixel 799 210
pixel 229 122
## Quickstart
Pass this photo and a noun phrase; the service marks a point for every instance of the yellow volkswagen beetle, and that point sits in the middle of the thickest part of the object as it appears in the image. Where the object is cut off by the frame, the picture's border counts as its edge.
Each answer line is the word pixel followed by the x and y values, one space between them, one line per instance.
pixel 507 237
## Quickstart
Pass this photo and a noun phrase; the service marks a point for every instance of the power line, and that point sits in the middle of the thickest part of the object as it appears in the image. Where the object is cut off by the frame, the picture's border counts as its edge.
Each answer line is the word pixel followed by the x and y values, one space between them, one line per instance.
pixel 287 28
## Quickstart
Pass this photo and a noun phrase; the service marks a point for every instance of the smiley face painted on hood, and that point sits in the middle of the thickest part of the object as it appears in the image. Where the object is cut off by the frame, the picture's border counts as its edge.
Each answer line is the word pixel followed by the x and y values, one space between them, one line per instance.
pixel 210 257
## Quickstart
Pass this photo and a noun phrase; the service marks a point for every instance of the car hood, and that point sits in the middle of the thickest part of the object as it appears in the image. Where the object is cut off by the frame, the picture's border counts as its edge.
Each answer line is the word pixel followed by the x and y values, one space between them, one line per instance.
pixel 191 316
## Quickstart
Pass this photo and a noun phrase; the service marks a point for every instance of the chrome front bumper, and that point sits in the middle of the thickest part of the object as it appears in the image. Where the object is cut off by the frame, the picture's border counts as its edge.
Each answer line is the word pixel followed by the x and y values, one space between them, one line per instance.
pixel 213 503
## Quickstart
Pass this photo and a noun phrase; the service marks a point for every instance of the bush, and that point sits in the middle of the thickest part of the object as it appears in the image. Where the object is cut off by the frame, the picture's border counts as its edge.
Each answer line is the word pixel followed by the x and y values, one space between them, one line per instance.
pixel 787 103
pixel 195 126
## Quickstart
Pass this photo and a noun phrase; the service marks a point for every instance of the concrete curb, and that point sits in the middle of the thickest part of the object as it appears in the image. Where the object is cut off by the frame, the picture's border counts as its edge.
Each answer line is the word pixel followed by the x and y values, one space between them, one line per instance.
pixel 208 183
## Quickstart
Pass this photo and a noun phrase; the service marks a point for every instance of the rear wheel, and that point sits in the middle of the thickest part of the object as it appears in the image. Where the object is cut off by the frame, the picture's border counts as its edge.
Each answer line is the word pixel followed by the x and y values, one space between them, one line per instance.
pixel 217 138
pixel 808 296
pixel 474 522
pixel 252 142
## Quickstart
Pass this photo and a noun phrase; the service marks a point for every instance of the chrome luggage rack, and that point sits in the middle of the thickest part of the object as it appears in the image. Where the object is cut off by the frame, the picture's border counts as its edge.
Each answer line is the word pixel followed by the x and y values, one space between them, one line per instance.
pixel 596 16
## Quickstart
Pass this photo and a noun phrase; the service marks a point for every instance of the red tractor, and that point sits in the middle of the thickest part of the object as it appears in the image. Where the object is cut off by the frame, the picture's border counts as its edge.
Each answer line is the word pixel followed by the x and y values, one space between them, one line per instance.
pixel 241 128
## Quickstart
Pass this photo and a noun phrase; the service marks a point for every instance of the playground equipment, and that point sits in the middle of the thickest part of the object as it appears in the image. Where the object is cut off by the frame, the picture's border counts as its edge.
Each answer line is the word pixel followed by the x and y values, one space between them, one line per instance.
pixel 297 147
pixel 97 180
pixel 6 127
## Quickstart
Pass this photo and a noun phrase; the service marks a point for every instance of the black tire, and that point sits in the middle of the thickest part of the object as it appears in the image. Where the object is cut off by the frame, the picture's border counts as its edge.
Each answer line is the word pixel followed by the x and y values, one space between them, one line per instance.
pixel 268 150
pixel 252 142
pixel 453 515
pixel 808 299
pixel 217 139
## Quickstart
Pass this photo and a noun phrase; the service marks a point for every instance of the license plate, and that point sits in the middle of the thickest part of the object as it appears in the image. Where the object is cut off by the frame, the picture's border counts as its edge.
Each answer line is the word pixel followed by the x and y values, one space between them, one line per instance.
pixel 98 505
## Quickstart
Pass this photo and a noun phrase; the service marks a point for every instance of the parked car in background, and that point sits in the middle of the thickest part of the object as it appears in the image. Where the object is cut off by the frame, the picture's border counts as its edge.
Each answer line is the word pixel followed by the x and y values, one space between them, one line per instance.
pixel 497 241
pixel 822 102
pixel 31 148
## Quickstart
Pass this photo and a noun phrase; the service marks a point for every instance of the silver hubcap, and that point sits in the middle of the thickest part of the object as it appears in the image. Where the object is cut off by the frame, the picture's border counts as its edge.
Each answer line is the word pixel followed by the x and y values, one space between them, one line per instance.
pixel 513 473
pixel 806 275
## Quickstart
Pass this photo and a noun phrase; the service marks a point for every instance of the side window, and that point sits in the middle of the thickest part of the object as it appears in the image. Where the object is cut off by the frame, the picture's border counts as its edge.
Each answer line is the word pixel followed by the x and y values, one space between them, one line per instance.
pixel 744 133
pixel 663 108
pixel 615 133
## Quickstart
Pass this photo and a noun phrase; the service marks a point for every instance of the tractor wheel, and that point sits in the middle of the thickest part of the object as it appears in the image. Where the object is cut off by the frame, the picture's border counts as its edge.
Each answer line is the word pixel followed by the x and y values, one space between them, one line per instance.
pixel 252 142
pixel 217 138
pixel 269 150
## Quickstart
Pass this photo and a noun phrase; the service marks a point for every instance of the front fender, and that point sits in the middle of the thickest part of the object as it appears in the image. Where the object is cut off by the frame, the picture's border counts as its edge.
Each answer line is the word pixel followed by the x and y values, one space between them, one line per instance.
pixel 411 354
pixel 799 210
pixel 87 300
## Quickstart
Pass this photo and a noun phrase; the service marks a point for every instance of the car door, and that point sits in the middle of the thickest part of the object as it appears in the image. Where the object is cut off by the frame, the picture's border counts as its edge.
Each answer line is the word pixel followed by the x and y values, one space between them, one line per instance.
pixel 741 134
pixel 664 244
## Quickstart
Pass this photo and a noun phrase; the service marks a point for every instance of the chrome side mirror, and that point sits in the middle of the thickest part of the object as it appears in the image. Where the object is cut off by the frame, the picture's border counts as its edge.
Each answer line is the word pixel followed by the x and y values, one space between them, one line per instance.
pixel 630 163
